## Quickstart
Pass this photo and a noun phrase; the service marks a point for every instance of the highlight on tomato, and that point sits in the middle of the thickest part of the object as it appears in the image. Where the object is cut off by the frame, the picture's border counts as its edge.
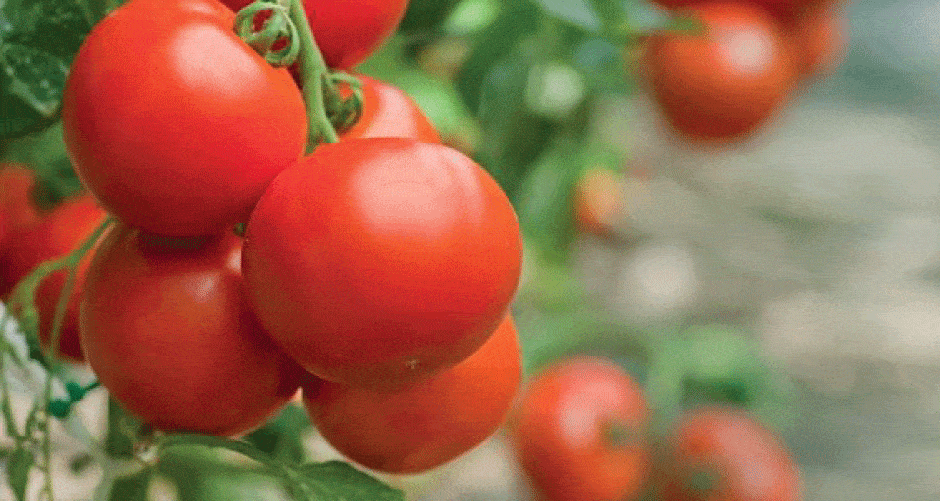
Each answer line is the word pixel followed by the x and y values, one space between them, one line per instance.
pixel 426 424
pixel 723 83
pixel 725 453
pixel 175 124
pixel 381 261
pixel 166 328
pixel 579 432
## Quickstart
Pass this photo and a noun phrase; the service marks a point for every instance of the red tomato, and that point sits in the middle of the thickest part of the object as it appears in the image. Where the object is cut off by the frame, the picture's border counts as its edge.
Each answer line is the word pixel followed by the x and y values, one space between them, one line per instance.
pixel 782 9
pixel 56 234
pixel 174 123
pixel 736 455
pixel 598 201
pixel 169 334
pixel 381 261
pixel 388 112
pixel 347 31
pixel 725 83
pixel 820 36
pixel 17 211
pixel 580 431
pixel 426 424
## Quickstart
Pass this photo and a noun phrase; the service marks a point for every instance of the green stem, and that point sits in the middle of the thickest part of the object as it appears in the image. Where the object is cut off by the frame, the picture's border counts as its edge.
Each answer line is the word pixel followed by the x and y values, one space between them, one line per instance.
pixel 314 73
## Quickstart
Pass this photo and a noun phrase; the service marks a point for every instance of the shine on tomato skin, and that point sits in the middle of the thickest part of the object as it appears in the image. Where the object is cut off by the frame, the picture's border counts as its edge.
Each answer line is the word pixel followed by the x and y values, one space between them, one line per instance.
pixel 168 332
pixel 726 82
pixel 426 424
pixel 347 31
pixel 173 123
pixel 378 262
pixel 388 112
pixel 560 431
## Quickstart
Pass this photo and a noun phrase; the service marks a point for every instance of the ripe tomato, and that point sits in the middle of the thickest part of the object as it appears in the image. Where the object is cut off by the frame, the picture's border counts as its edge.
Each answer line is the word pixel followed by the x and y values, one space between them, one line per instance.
pixel 349 31
pixel 17 211
pixel 174 123
pixel 782 9
pixel 820 36
pixel 381 261
pixel 56 234
pixel 427 424
pixel 167 330
pixel 579 432
pixel 388 112
pixel 725 83
pixel 724 454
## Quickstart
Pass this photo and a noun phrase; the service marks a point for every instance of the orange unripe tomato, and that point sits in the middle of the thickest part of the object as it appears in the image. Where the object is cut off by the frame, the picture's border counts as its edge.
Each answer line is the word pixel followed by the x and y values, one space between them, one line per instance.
pixel 597 201
pixel 579 432
pixel 428 423
pixel 167 330
pixel 725 454
pixel 726 82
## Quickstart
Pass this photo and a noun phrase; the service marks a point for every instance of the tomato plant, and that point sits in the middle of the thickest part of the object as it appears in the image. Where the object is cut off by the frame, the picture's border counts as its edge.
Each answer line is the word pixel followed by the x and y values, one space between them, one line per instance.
pixel 723 453
pixel 381 261
pixel 151 106
pixel 428 423
pixel 166 328
pixel 348 32
pixel 54 235
pixel 580 432
pixel 388 112
pixel 725 82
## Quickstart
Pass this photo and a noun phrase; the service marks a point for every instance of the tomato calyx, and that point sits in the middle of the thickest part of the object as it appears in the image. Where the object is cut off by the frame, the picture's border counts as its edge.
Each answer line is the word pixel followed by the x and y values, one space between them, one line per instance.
pixel 276 39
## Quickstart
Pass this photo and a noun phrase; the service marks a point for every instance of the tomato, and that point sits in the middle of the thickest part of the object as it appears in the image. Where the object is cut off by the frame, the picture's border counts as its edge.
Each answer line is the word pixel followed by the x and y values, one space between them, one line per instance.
pixel 425 425
pixel 174 123
pixel 820 37
pixel 725 83
pixel 579 432
pixel 376 262
pixel 347 31
pixel 598 201
pixel 388 112
pixel 168 332
pixel 17 212
pixel 782 9
pixel 724 454
pixel 56 234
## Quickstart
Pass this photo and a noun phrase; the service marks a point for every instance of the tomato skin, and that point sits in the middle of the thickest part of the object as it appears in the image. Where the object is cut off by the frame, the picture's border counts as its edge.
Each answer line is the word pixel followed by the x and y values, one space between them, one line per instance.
pixel 175 124
pixel 17 212
pixel 820 36
pixel 347 31
pixel 377 262
pixel 573 464
pixel 749 461
pixel 425 425
pixel 56 234
pixel 169 334
pixel 388 112
pixel 782 9
pixel 726 83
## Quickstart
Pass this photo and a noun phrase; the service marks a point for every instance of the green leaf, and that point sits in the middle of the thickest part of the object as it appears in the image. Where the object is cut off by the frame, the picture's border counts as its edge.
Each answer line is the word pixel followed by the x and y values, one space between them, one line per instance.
pixel 282 437
pixel 34 76
pixel 578 12
pixel 18 466
pixel 55 26
pixel 338 481
pixel 131 487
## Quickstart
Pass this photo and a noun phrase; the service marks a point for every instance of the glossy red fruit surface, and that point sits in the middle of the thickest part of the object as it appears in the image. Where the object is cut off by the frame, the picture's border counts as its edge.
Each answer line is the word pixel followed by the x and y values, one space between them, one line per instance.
pixel 579 432
pixel 388 112
pixel 173 123
pixel 377 262
pixel 427 424
pixel 169 334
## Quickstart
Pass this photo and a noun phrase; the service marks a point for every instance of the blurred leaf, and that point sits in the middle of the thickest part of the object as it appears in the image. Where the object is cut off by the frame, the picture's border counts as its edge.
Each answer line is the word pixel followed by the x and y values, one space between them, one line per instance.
pixel 54 26
pixel 122 428
pixel 518 19
pixel 131 487
pixel 282 437
pixel 338 481
pixel 578 12
pixel 426 15
pixel 19 463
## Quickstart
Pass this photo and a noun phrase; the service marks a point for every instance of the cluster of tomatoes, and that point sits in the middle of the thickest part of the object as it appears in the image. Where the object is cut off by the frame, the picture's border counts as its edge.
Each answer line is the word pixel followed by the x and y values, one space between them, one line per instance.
pixel 375 273
pixel 583 429
pixel 726 78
